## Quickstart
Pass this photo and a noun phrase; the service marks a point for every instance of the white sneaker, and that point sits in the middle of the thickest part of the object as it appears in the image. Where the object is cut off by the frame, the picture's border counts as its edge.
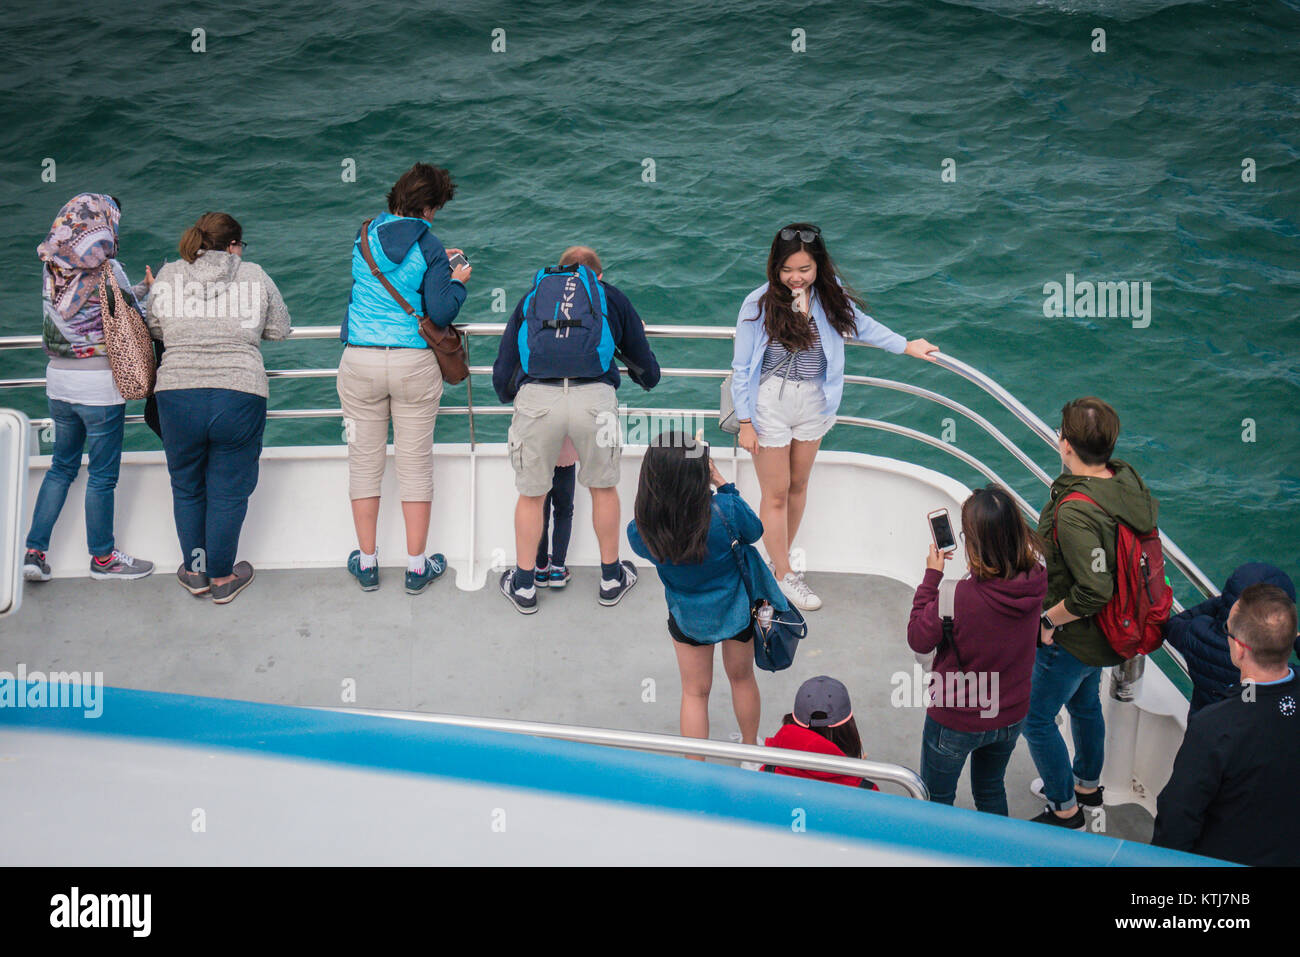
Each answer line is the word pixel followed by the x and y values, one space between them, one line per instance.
pixel 751 765
pixel 797 590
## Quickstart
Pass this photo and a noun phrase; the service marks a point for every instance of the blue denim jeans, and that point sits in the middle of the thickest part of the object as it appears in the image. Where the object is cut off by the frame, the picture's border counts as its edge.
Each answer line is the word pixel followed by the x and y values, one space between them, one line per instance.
pixel 943 755
pixel 213 441
pixel 75 427
pixel 1062 680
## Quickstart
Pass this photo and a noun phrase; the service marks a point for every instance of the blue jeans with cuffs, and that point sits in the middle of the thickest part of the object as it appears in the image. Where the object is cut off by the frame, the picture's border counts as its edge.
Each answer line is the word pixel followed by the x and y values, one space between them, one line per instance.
pixel 1062 680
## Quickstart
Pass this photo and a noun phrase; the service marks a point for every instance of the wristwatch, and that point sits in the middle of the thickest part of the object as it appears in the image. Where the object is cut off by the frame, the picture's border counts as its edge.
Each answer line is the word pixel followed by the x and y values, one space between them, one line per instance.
pixel 1047 623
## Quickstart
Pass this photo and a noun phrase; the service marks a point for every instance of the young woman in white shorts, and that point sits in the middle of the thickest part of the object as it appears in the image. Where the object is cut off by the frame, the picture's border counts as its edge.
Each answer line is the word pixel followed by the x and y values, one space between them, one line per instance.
pixel 788 377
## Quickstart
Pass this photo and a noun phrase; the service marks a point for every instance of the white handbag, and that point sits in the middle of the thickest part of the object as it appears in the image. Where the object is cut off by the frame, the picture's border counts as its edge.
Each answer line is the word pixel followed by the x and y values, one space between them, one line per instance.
pixel 727 420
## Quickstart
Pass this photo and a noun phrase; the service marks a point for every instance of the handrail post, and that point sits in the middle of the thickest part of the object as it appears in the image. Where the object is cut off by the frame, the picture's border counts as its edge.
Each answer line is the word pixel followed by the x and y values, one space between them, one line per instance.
pixel 471 571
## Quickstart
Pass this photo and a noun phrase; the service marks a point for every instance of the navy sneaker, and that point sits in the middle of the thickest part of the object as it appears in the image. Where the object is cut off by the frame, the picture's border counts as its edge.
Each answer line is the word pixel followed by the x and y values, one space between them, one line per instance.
pixel 559 576
pixel 542 576
pixel 525 602
pixel 434 566
pixel 367 578
pixel 1094 799
pixel 35 568
pixel 612 595
pixel 1075 821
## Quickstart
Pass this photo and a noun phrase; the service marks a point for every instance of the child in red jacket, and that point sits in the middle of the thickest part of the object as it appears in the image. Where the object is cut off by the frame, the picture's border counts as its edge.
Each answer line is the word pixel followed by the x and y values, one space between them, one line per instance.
pixel 821 722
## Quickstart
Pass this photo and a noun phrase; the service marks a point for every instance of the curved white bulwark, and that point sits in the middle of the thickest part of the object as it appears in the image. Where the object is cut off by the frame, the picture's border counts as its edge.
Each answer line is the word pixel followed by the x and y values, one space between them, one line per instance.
pixel 866 515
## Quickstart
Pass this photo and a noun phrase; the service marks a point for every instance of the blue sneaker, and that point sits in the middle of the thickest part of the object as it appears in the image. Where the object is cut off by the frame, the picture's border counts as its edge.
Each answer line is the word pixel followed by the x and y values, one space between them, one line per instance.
pixel 611 593
pixel 367 578
pixel 559 576
pixel 542 576
pixel 434 566
pixel 525 602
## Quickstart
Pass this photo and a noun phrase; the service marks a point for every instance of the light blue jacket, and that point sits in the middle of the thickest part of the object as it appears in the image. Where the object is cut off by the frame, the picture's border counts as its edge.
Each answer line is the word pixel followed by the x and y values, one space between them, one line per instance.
pixel 752 339
pixel 415 262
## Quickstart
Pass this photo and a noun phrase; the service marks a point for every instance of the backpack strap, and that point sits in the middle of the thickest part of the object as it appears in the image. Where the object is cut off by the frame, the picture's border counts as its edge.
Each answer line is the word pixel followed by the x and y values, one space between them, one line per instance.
pixel 947 608
pixel 375 271
pixel 1071 497
pixel 947 605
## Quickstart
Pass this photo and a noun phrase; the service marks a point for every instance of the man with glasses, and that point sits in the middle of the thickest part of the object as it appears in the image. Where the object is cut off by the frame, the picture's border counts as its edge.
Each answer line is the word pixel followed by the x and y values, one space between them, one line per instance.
pixel 1080 538
pixel 1232 793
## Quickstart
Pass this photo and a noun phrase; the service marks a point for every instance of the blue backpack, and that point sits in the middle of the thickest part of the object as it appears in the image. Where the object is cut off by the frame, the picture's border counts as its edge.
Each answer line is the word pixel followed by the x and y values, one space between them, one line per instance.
pixel 565 331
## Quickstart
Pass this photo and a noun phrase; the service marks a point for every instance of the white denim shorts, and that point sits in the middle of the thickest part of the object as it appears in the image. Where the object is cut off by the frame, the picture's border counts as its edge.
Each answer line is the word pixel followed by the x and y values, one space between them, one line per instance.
pixel 795 413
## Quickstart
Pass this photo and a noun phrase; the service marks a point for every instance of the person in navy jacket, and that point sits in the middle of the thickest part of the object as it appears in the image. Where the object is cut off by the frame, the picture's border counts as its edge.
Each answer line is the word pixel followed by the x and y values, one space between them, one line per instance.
pixel 1231 793
pixel 1198 633
pixel 551 406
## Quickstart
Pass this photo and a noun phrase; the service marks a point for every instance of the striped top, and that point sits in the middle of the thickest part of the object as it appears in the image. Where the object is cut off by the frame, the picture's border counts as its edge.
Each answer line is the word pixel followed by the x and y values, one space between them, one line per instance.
pixel 809 364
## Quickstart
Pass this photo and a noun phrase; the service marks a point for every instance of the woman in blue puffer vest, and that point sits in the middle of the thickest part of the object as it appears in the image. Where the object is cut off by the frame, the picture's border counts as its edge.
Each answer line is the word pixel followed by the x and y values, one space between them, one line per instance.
pixel 1198 633
pixel 388 373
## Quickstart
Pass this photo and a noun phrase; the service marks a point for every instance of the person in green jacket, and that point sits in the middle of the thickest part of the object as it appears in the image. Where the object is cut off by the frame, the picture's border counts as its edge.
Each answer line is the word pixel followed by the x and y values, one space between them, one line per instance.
pixel 1080 542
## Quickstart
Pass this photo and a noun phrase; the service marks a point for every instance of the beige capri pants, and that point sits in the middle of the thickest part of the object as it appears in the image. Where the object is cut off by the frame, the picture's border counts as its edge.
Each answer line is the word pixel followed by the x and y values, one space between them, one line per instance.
pixel 379 384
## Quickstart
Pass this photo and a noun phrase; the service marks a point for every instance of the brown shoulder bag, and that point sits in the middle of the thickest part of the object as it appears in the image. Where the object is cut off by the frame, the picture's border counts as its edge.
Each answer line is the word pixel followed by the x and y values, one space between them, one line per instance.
pixel 448 344
pixel 126 340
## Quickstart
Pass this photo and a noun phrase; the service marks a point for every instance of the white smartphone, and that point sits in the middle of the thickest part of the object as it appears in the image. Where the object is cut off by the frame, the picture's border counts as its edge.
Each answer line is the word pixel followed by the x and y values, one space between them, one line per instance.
pixel 941 530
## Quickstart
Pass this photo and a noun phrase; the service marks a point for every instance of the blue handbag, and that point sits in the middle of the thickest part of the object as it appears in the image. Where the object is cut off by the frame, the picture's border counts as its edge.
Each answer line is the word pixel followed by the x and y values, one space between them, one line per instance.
pixel 776 638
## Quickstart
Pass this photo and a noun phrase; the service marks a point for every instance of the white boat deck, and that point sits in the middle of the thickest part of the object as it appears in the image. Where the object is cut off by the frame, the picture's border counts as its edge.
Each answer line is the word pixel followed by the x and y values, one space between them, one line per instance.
pixel 308 636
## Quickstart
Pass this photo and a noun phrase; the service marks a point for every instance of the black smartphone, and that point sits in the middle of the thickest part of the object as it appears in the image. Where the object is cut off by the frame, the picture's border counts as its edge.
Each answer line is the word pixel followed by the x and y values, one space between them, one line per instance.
pixel 456 260
pixel 941 530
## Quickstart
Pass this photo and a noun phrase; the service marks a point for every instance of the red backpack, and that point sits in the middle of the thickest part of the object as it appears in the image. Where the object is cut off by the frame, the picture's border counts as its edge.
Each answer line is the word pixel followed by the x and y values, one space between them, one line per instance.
pixel 1133 619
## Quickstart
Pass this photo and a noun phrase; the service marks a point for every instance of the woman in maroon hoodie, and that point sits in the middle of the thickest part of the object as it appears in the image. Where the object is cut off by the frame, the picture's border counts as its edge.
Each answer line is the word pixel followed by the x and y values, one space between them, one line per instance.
pixel 978 686
pixel 821 722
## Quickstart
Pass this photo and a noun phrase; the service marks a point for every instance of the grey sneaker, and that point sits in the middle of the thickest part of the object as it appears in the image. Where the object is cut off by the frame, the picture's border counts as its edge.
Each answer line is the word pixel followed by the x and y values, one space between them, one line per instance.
pixel 243 572
pixel 120 566
pixel 196 583
pixel 35 567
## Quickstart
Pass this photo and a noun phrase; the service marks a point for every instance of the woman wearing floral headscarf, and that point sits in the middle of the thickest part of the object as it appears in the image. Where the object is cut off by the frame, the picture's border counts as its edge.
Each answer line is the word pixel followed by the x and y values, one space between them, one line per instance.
pixel 84 403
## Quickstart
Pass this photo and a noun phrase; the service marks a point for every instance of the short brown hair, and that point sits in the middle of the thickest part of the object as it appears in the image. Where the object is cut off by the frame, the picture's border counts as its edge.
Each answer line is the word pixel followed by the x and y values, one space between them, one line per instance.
pixel 582 255
pixel 1266 623
pixel 421 187
pixel 212 231
pixel 1092 429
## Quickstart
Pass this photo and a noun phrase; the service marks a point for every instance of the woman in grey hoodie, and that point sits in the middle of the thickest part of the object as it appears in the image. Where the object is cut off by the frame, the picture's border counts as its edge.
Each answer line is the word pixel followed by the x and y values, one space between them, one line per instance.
pixel 211 310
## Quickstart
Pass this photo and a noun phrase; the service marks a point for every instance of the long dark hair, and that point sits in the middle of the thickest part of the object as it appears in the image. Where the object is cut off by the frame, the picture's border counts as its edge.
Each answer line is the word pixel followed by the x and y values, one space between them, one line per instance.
pixel 673 500
pixel 844 736
pixel 999 543
pixel 776 307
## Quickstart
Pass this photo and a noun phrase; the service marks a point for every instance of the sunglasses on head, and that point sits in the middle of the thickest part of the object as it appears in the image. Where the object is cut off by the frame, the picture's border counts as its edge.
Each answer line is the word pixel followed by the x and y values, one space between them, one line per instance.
pixel 805 235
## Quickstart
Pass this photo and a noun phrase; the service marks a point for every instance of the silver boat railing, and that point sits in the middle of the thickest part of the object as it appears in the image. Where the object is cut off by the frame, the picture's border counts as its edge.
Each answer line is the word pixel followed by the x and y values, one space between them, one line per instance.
pixel 1188 568
pixel 877 771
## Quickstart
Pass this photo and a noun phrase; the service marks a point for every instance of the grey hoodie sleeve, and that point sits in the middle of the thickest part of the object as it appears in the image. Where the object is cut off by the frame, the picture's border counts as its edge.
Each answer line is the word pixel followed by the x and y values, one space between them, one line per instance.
pixel 277 325
pixel 159 303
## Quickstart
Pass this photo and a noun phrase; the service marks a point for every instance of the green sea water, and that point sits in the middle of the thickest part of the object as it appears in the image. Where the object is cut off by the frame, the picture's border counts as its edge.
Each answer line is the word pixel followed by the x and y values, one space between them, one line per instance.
pixel 1123 165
